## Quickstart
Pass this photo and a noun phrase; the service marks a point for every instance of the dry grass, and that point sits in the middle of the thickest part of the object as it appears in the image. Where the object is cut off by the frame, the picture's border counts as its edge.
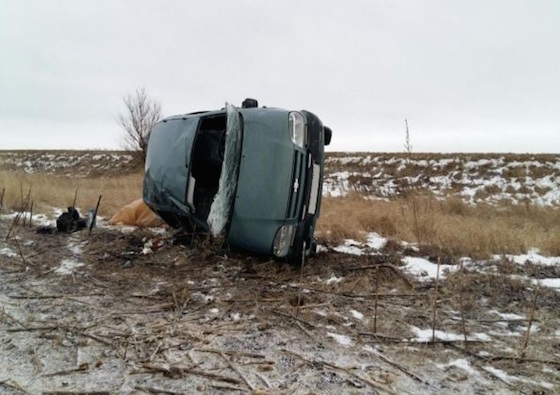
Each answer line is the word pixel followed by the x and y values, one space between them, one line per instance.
pixel 49 191
pixel 461 229
pixel 465 230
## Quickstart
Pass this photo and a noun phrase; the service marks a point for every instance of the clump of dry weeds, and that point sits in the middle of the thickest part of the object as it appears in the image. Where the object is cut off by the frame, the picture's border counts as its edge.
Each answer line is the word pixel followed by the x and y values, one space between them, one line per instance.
pixel 461 229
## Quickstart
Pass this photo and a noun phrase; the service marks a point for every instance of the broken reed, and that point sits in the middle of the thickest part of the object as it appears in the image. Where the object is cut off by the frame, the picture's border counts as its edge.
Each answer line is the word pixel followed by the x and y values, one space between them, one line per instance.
pixel 462 288
pixel 461 229
pixel 411 191
pixel 434 305
pixel 532 310
pixel 300 292
pixel 21 211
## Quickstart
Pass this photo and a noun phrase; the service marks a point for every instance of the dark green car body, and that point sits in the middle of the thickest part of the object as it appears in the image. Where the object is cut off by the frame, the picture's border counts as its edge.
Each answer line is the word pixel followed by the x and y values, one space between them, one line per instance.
pixel 270 161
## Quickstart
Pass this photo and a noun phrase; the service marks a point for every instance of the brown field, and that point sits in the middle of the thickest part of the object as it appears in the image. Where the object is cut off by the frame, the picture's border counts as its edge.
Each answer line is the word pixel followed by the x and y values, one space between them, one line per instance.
pixel 413 214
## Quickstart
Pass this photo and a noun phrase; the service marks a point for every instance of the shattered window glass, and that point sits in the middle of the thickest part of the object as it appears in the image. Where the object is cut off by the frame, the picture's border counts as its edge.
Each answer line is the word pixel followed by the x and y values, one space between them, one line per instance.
pixel 223 201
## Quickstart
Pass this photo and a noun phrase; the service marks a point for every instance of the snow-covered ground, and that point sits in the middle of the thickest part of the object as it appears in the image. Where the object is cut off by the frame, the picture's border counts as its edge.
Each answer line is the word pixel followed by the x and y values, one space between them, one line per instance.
pixel 90 314
pixel 72 163
pixel 493 179
pixel 127 311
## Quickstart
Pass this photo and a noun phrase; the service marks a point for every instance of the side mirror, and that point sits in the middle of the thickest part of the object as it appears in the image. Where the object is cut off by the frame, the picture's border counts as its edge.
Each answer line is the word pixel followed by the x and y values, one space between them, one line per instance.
pixel 328 135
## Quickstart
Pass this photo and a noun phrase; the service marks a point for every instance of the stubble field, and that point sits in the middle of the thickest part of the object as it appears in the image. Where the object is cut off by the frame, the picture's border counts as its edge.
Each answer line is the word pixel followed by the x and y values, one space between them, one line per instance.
pixel 436 274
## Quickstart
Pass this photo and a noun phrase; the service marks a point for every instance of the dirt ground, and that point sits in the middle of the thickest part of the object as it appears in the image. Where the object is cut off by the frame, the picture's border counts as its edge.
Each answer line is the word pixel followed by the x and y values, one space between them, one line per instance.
pixel 93 314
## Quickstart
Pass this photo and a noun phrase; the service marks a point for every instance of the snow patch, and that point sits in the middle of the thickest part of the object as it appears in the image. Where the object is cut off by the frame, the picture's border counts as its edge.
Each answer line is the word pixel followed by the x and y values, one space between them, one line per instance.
pixel 375 241
pixel 351 247
pixel 460 363
pixel 322 248
pixel 357 314
pixel 67 266
pixel 7 252
pixel 425 335
pixel 511 379
pixel 341 339
pixel 550 282
pixel 511 316
pixel 424 269
pixel 75 248
pixel 532 256
pixel 334 280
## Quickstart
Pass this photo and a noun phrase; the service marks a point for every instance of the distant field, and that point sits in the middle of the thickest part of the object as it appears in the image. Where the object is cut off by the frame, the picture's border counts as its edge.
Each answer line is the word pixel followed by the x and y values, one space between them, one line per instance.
pixel 69 163
pixel 467 204
pixel 474 178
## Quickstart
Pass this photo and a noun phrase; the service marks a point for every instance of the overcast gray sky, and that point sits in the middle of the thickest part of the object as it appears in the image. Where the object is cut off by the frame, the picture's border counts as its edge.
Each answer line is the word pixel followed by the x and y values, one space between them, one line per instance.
pixel 470 76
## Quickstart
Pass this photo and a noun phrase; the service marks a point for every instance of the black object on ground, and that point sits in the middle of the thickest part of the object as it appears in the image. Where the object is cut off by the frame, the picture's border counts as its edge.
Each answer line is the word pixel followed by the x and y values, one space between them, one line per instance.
pixel 70 221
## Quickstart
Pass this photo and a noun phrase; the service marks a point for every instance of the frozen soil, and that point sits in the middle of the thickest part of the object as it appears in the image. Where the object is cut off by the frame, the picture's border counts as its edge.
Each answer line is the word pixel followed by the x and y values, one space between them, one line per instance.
pixel 94 314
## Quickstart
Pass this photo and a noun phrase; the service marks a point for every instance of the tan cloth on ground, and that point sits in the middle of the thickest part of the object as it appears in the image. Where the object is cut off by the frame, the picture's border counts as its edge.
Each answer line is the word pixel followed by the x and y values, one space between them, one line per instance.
pixel 136 214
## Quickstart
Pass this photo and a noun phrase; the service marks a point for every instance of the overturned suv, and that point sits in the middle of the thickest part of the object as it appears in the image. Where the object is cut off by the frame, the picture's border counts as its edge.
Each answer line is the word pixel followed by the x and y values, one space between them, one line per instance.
pixel 251 174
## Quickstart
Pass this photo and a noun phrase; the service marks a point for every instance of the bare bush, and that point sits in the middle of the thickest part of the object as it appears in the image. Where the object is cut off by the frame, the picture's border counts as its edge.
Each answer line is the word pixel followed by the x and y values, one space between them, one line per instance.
pixel 141 114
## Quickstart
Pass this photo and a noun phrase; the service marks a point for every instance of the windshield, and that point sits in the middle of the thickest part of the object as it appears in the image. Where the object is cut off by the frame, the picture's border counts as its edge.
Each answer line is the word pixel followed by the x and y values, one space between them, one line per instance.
pixel 166 172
